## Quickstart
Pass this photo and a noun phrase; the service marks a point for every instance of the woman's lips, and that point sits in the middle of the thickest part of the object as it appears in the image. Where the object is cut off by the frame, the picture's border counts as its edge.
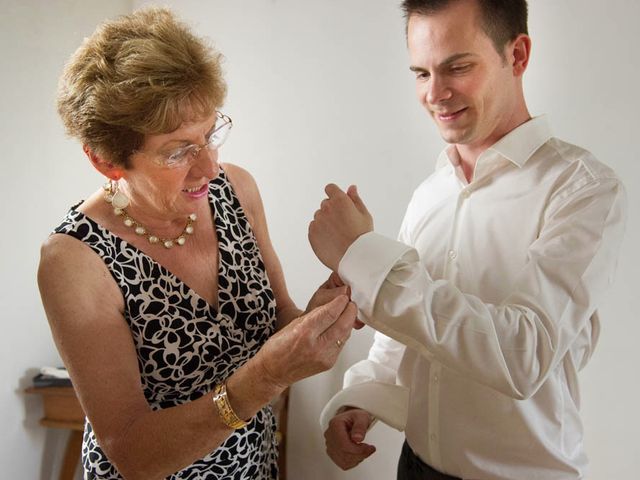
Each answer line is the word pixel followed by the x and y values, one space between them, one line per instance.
pixel 196 192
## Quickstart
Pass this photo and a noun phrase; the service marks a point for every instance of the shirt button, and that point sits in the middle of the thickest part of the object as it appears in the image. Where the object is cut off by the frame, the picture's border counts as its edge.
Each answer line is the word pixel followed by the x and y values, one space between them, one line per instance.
pixel 435 378
pixel 432 437
pixel 452 254
pixel 466 194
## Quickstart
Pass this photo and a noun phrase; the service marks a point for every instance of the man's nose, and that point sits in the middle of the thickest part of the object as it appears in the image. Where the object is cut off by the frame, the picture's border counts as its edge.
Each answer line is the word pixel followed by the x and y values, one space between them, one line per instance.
pixel 437 90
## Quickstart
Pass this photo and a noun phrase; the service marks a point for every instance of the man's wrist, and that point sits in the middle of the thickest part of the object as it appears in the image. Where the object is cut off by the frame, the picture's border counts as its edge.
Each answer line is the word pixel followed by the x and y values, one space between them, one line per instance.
pixel 346 408
pixel 345 249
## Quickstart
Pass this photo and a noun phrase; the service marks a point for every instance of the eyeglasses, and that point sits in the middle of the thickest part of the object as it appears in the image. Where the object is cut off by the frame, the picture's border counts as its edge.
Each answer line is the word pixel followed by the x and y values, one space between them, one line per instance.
pixel 187 154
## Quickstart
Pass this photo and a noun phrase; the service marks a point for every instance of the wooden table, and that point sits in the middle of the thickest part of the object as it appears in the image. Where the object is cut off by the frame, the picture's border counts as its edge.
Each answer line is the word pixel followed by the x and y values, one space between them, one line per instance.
pixel 62 410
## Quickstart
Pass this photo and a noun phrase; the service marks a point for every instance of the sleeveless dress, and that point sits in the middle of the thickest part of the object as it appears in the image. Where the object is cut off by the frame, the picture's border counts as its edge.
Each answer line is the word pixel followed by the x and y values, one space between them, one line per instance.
pixel 184 345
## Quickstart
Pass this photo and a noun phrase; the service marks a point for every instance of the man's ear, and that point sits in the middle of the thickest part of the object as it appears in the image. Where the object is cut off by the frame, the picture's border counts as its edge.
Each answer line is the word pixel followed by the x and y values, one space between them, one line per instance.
pixel 519 54
pixel 105 167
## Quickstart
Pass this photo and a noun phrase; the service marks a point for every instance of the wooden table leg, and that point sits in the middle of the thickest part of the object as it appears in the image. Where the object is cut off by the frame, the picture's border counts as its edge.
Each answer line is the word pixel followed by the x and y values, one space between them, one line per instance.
pixel 71 456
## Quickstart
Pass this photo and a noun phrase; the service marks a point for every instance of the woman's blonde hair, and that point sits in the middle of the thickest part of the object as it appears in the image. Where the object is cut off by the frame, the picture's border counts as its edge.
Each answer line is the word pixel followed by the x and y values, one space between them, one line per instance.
pixel 140 74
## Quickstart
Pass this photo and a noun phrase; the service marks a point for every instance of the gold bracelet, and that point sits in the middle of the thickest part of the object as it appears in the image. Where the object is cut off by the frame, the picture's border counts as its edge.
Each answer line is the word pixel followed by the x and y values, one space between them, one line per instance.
pixel 225 411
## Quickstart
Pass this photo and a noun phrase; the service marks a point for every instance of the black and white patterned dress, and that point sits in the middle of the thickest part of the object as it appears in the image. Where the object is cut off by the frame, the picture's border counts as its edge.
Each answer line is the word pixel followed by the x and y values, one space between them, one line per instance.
pixel 185 346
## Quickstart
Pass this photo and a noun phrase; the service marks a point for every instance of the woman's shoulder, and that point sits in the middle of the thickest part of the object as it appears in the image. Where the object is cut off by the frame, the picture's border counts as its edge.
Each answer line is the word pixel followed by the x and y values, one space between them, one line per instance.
pixel 63 252
pixel 244 186
pixel 239 177
pixel 69 267
pixel 63 249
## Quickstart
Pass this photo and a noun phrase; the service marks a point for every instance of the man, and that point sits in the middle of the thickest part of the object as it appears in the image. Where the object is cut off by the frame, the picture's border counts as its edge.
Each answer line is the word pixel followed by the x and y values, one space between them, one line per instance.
pixel 486 306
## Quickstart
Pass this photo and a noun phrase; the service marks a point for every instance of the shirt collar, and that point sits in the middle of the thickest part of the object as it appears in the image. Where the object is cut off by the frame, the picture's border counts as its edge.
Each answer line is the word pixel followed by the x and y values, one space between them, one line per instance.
pixel 517 146
pixel 522 142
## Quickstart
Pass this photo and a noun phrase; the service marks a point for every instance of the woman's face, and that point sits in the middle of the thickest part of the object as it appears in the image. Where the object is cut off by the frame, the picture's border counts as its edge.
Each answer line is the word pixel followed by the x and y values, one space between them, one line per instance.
pixel 158 187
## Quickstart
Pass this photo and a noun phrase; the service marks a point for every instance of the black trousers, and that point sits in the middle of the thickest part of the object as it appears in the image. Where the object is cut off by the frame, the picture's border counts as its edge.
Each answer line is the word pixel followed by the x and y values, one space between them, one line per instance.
pixel 410 467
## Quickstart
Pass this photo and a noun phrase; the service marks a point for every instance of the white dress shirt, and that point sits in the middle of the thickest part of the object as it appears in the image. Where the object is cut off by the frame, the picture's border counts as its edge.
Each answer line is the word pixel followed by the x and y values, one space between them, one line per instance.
pixel 485 309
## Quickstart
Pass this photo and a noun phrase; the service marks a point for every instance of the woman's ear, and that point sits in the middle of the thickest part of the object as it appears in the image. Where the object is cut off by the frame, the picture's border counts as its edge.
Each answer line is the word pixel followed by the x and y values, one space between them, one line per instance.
pixel 106 168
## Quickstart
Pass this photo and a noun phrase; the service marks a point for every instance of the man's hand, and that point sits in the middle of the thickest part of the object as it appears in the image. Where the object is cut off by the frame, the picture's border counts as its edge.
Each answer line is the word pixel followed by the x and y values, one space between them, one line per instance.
pixel 341 219
pixel 344 438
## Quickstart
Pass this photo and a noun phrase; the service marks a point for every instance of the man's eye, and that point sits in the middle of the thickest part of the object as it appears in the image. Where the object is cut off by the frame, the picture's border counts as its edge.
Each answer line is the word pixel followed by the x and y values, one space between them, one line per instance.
pixel 422 75
pixel 460 68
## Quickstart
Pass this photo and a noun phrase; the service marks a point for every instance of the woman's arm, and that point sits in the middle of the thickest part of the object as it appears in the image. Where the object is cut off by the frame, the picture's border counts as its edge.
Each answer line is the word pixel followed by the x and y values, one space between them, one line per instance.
pixel 249 196
pixel 85 311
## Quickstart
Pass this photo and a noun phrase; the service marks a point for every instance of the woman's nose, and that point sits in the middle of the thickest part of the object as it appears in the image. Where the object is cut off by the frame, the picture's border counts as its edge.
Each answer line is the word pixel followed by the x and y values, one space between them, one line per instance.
pixel 206 163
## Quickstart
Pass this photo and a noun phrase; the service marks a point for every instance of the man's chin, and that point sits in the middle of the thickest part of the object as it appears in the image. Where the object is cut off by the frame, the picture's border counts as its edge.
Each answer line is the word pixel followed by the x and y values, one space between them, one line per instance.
pixel 458 137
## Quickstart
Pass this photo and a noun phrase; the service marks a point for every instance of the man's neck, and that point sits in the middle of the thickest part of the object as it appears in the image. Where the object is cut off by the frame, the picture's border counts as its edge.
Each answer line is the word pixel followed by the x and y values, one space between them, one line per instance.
pixel 470 153
pixel 469 157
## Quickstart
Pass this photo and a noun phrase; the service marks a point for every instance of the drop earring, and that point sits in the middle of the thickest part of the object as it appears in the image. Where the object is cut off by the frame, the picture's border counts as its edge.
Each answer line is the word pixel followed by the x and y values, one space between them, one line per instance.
pixel 118 198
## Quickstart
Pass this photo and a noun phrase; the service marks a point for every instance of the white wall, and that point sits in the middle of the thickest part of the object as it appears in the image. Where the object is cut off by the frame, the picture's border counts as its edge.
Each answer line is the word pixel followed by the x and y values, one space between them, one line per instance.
pixel 319 92
pixel 43 173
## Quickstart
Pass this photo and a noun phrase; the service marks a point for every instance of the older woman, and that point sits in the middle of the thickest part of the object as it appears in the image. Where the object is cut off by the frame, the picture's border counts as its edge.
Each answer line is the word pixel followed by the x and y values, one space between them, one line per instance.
pixel 162 289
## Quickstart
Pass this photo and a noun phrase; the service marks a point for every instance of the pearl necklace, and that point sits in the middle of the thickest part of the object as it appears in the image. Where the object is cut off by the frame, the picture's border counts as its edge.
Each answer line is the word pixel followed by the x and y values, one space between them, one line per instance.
pixel 120 202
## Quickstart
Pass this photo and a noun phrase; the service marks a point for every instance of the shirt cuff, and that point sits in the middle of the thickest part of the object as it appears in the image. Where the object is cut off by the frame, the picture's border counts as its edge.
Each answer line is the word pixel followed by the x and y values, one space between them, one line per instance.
pixel 388 403
pixel 366 264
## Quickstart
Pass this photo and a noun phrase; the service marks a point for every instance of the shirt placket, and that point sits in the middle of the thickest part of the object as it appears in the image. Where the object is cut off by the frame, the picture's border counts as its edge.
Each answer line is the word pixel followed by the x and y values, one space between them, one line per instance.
pixel 451 273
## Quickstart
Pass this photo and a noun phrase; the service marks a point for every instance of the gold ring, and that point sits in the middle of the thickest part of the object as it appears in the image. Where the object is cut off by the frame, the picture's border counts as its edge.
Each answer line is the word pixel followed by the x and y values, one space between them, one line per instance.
pixel 339 343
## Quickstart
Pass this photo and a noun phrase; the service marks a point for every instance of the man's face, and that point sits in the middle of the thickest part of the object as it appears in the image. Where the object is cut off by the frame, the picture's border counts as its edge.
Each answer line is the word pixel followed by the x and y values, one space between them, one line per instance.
pixel 462 81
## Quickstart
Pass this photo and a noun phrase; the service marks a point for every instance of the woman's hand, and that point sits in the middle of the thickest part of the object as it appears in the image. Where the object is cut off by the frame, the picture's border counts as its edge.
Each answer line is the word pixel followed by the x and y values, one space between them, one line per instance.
pixel 333 287
pixel 330 289
pixel 310 344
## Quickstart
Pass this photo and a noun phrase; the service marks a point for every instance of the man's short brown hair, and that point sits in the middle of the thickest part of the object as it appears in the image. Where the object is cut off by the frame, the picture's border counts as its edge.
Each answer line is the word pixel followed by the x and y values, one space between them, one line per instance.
pixel 502 20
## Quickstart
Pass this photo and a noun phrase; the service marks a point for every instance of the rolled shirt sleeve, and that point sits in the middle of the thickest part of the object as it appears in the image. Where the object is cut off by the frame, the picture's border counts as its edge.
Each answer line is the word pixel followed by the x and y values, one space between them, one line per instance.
pixel 510 346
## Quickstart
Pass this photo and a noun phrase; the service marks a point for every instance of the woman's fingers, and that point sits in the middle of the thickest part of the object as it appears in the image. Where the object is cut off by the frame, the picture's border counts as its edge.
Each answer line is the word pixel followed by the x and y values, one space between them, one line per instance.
pixel 325 295
pixel 321 318
pixel 310 344
pixel 339 331
pixel 334 280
